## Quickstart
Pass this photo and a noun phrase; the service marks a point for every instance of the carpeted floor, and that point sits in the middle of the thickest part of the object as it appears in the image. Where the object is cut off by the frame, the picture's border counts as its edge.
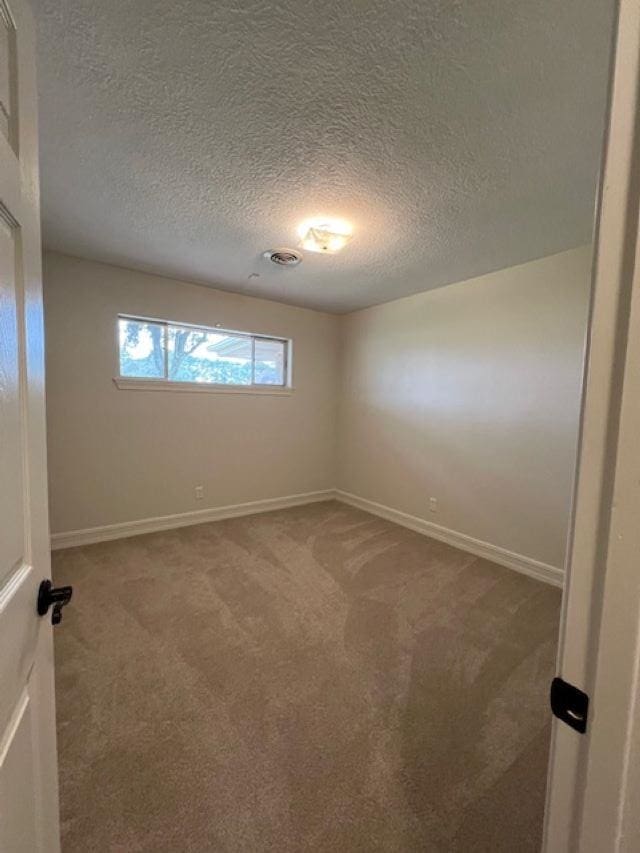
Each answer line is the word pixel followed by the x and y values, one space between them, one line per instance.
pixel 313 679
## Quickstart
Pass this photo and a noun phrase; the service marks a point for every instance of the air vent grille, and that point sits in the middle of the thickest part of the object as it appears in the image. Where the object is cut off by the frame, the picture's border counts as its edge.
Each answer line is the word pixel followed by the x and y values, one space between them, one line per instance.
pixel 284 257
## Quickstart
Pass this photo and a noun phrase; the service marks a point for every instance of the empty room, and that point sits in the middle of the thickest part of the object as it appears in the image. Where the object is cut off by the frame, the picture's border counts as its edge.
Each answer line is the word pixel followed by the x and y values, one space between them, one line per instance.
pixel 317 310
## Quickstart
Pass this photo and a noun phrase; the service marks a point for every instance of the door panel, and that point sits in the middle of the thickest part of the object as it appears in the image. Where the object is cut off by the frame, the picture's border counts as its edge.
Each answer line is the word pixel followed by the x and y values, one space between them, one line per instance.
pixel 17 656
pixel 28 767
pixel 18 830
pixel 8 76
pixel 11 494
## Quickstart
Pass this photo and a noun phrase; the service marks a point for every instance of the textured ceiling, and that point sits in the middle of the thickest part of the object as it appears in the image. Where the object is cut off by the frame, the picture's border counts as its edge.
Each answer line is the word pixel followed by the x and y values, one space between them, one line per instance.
pixel 187 138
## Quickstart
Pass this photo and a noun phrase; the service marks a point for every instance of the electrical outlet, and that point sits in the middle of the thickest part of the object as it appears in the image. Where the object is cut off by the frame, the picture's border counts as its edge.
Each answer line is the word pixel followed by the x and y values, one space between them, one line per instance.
pixel 199 493
pixel 433 504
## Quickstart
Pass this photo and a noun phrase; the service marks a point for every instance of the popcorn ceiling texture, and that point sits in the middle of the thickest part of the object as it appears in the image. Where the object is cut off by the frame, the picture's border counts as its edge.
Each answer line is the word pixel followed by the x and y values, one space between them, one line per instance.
pixel 187 138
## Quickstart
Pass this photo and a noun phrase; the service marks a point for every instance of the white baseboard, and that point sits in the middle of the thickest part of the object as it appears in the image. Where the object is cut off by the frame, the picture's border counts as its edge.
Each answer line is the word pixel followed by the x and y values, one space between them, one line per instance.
pixel 525 565
pixel 91 535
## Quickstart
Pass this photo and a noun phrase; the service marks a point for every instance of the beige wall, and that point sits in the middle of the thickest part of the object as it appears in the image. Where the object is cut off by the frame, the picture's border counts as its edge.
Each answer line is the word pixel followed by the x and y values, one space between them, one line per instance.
pixel 118 455
pixel 470 394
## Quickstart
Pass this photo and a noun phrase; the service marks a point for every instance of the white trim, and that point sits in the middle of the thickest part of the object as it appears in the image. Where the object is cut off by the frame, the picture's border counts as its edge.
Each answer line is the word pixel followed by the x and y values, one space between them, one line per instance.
pixel 91 535
pixel 524 565
pixel 127 384
pixel 593 792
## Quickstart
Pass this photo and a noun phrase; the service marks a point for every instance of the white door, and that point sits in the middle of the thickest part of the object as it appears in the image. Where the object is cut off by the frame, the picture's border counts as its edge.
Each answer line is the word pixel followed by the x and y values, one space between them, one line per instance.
pixel 28 772
pixel 593 798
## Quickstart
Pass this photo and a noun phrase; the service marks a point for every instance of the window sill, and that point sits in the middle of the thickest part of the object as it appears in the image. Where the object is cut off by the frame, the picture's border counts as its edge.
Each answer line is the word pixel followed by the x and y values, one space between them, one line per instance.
pixel 127 384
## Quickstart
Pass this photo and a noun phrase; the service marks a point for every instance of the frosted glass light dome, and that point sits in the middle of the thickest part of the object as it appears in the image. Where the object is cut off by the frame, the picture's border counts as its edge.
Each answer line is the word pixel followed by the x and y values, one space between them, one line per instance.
pixel 325 235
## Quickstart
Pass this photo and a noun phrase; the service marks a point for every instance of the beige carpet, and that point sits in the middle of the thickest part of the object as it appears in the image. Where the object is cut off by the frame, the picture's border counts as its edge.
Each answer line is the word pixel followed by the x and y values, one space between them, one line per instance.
pixel 314 679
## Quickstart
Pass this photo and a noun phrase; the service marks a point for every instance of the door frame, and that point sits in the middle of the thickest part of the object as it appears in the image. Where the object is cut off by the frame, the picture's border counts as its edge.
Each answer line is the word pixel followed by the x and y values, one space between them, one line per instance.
pixel 593 793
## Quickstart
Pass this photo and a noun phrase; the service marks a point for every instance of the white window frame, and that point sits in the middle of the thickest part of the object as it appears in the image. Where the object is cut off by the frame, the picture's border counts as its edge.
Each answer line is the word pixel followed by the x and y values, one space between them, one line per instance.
pixel 149 383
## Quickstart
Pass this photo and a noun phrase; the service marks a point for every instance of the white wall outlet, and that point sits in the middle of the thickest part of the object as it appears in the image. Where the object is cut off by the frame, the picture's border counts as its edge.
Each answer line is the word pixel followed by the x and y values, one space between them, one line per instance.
pixel 433 504
pixel 199 493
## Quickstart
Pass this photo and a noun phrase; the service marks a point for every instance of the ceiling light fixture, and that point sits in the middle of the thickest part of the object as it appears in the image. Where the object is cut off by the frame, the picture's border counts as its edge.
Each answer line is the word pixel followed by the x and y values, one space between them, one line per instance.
pixel 325 235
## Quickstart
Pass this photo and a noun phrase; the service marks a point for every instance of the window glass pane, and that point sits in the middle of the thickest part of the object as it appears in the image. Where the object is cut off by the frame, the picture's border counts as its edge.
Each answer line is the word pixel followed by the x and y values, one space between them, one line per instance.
pixel 269 369
pixel 196 355
pixel 141 348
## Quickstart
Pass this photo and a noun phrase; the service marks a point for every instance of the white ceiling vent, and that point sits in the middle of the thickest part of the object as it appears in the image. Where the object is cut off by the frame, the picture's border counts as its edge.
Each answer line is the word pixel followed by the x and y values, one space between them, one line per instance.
pixel 284 257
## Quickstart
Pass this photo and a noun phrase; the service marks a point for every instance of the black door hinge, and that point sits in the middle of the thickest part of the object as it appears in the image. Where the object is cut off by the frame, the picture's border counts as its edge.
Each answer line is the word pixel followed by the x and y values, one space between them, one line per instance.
pixel 569 704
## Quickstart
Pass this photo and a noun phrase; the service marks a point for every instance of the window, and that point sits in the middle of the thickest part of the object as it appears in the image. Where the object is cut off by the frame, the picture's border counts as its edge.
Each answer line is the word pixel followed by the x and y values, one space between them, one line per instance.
pixel 156 350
